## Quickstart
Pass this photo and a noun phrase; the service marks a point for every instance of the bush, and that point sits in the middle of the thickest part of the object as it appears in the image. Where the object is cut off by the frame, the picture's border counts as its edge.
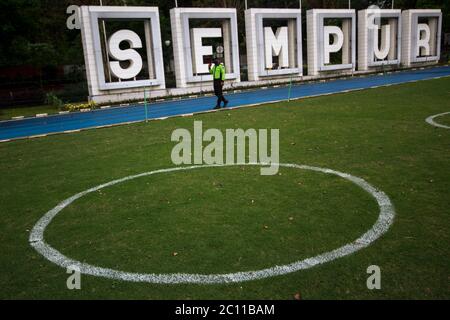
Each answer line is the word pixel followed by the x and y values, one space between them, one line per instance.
pixel 52 100
pixel 79 106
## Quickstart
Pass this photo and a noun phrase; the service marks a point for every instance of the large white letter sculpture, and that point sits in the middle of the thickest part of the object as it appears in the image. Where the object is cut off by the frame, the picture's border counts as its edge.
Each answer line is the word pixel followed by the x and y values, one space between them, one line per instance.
pixel 335 45
pixel 375 24
pixel 263 44
pixel 276 45
pixel 381 52
pixel 189 51
pixel 325 39
pixel 131 55
pixel 199 51
pixel 109 78
pixel 423 40
pixel 421 30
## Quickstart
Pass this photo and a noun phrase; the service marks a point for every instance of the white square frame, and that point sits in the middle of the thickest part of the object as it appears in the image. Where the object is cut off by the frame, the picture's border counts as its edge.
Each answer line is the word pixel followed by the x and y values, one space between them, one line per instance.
pixel 128 13
pixel 254 24
pixel 414 22
pixel 366 54
pixel 410 20
pixel 182 42
pixel 371 52
pixel 315 37
pixel 335 14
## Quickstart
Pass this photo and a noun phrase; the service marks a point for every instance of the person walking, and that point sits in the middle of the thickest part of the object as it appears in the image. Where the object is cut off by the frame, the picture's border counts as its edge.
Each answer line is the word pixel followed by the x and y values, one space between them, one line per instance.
pixel 217 70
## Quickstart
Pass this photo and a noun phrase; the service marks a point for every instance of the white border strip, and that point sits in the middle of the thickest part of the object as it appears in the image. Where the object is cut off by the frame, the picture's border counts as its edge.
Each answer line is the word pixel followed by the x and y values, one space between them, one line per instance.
pixel 384 221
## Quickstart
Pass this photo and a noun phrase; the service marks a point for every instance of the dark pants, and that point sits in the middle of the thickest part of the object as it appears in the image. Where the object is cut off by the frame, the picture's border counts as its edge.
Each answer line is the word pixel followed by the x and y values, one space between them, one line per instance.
pixel 218 92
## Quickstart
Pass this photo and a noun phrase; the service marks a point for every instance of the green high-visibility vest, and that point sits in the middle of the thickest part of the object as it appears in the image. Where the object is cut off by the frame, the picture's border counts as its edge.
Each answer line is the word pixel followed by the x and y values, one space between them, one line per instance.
pixel 218 72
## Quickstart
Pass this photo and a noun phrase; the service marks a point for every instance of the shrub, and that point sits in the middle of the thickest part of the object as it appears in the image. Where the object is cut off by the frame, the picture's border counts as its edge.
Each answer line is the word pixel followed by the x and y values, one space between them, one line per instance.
pixel 52 100
pixel 79 106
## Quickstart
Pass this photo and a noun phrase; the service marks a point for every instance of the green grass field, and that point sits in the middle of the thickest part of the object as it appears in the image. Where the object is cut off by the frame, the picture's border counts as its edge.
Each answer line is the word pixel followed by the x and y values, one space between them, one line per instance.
pixel 444 120
pixel 8 113
pixel 230 219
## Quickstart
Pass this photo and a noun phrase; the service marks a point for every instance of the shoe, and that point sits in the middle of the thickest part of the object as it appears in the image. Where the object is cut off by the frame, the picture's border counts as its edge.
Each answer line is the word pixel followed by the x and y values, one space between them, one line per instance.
pixel 225 104
pixel 216 107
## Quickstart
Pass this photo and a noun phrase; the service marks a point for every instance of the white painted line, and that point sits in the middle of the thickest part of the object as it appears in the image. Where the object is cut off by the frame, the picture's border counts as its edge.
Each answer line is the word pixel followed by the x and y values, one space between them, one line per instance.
pixel 40 115
pixel 17 118
pixel 37 136
pixel 85 110
pixel 263 88
pixel 124 104
pixel 431 121
pixel 385 219
pixel 187 115
pixel 161 118
pixel 72 131
pixel 160 100
pixel 6 140
pixel 208 111
pixel 277 86
pixel 63 112
pixel 106 107
pixel 193 96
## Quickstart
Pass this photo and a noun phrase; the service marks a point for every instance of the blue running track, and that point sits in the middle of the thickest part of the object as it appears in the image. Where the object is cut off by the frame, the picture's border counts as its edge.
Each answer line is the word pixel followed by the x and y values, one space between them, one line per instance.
pixel 14 129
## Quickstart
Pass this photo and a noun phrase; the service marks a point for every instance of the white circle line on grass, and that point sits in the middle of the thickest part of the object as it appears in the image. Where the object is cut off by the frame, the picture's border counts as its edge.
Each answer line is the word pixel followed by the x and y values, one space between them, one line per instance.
pixel 431 121
pixel 384 221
